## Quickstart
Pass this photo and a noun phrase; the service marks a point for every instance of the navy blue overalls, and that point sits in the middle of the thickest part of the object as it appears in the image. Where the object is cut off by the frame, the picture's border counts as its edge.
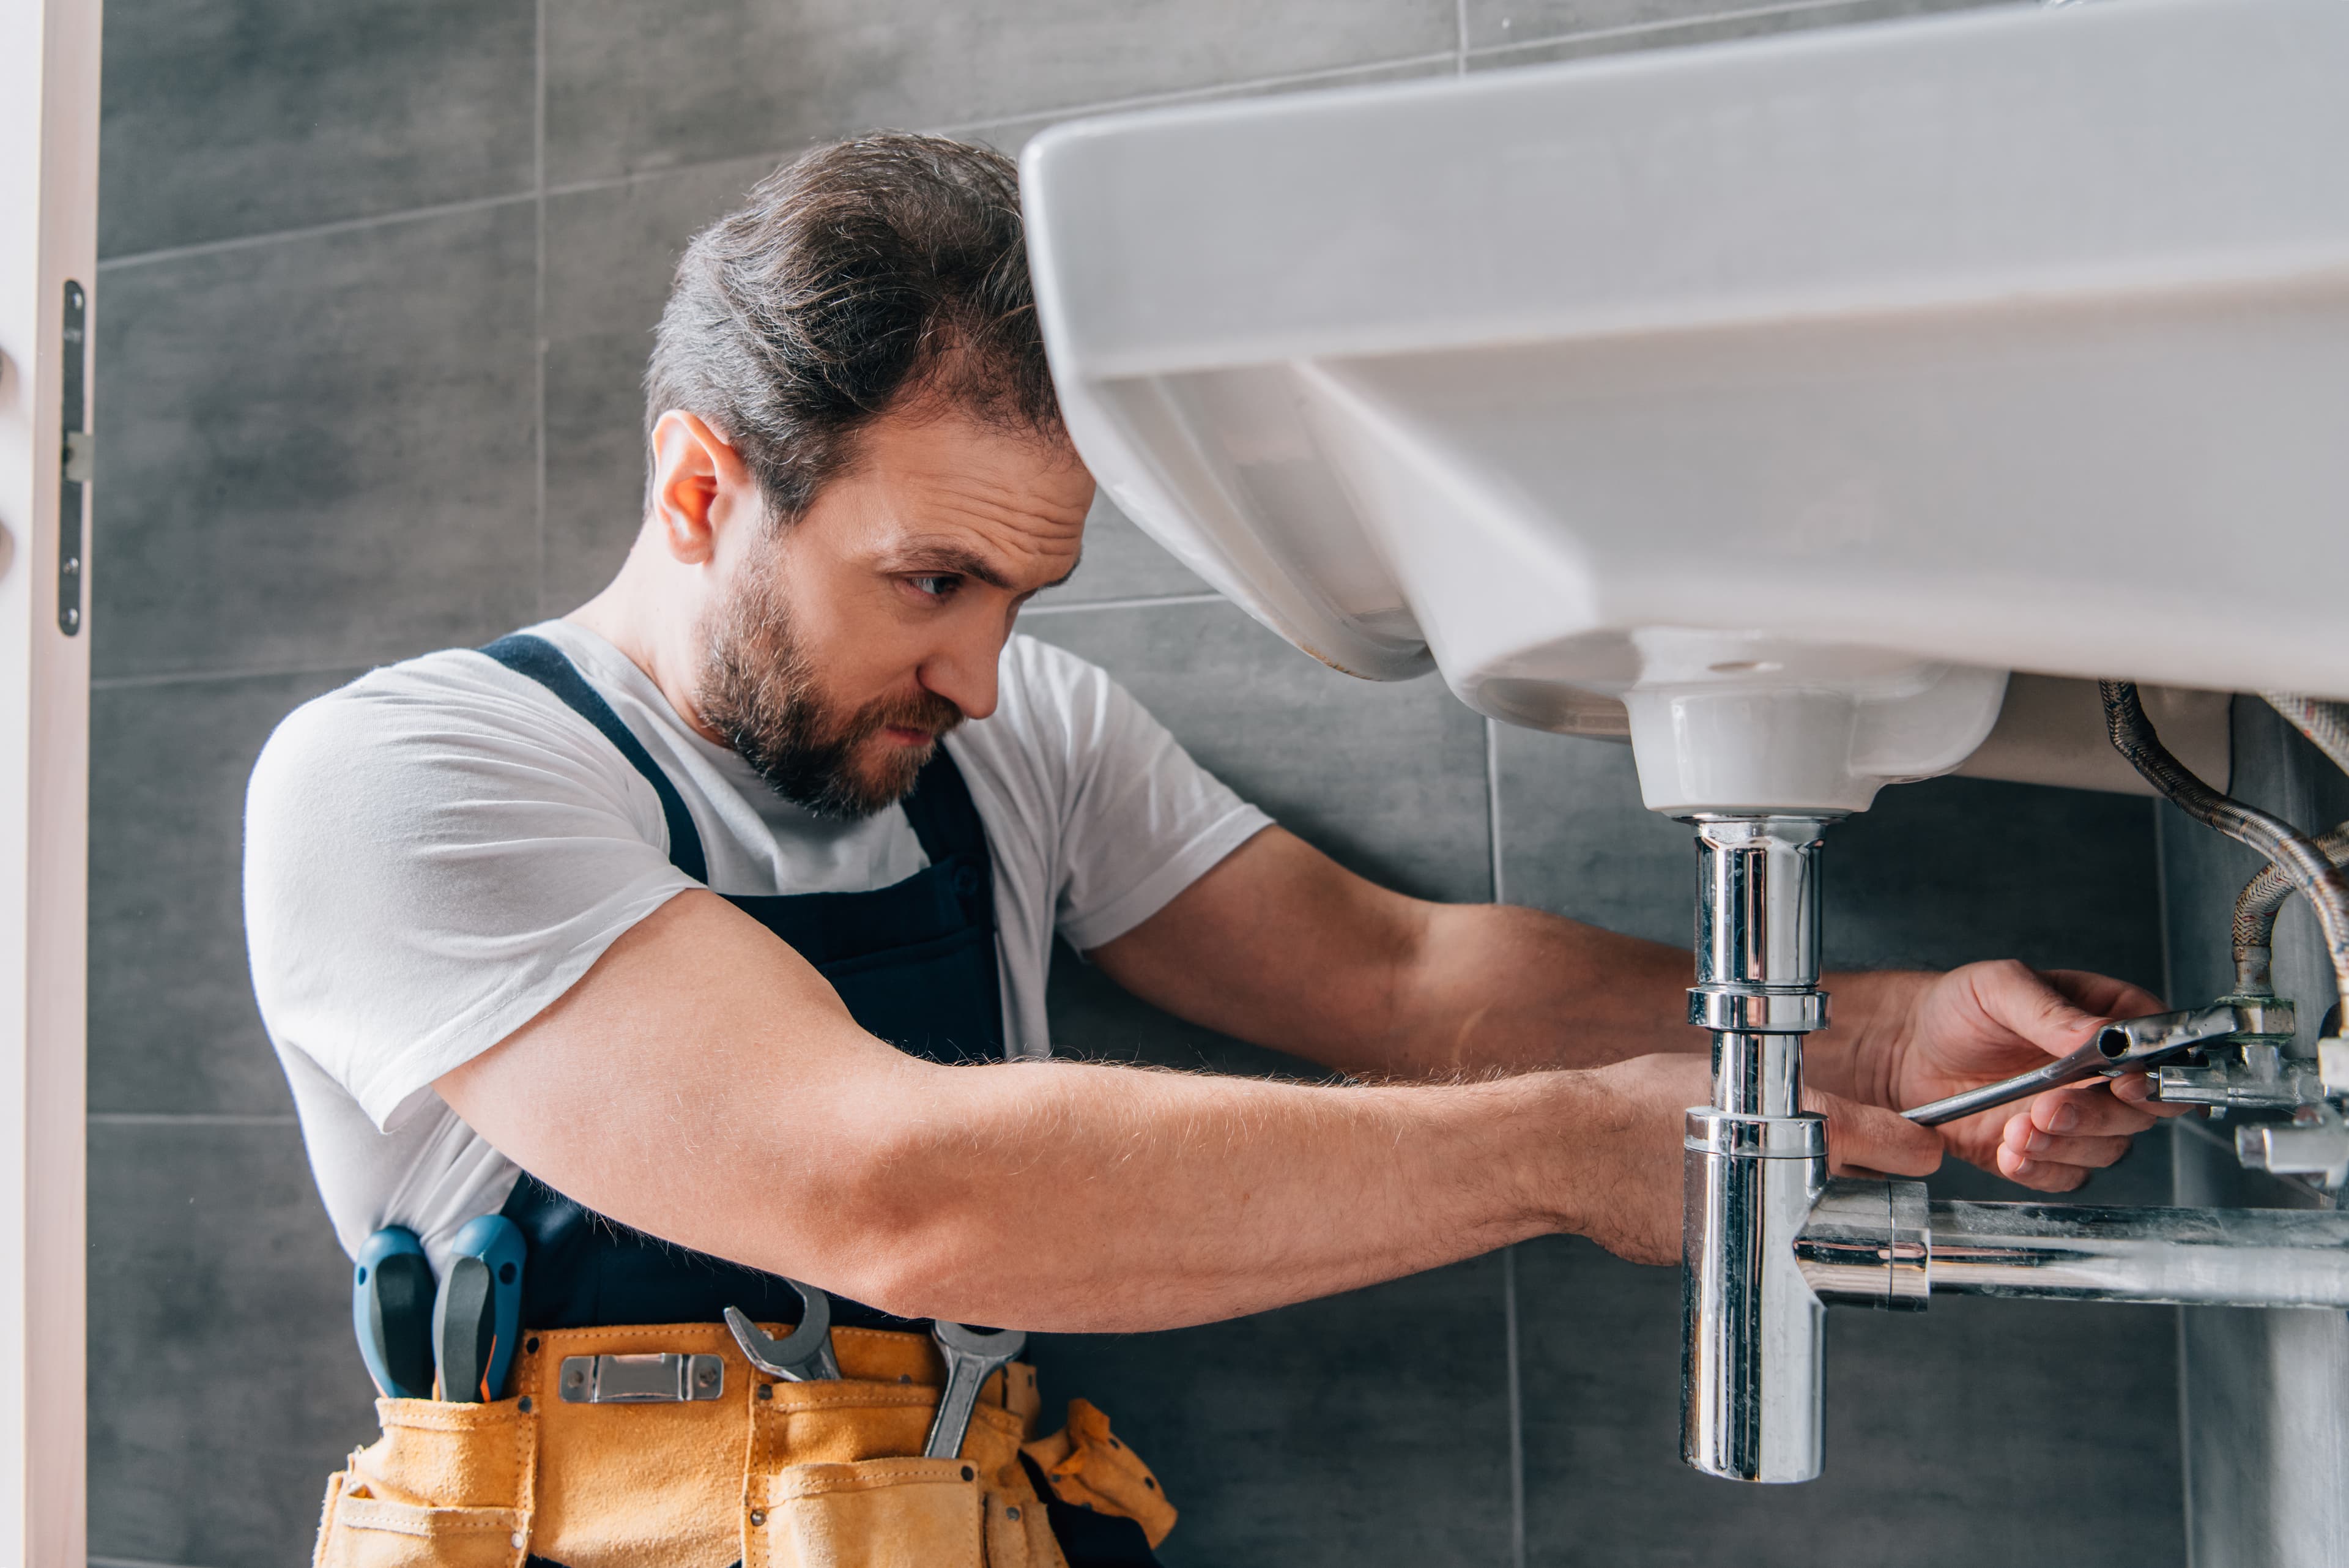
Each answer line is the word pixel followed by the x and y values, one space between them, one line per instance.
pixel 914 962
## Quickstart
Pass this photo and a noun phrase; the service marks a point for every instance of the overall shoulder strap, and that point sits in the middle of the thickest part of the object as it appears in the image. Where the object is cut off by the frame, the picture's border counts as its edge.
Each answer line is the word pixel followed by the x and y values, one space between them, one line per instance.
pixel 943 816
pixel 546 663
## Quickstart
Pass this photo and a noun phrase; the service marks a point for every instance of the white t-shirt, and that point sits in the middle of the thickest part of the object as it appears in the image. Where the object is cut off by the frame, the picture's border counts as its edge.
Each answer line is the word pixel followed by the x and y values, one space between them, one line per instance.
pixel 439 849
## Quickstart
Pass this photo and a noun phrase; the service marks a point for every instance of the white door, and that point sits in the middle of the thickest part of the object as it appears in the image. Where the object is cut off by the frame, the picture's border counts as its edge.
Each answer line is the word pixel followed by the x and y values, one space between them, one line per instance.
pixel 48 231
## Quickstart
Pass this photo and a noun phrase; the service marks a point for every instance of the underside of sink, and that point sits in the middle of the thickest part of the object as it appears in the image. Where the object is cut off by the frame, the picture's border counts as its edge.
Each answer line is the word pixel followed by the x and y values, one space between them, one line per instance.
pixel 1788 393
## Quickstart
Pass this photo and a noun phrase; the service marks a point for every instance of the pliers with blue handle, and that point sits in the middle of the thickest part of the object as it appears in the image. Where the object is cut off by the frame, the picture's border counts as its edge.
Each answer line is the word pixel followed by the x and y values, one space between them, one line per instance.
pixel 391 1312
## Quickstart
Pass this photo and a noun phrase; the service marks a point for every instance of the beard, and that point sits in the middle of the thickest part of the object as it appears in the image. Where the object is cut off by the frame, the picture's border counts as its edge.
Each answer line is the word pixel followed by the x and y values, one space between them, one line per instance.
pixel 758 689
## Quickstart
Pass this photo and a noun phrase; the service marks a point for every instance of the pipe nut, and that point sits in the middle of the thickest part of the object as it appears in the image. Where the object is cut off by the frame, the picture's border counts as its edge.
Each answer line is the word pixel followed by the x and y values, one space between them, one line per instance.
pixel 1758 1011
pixel 1712 1131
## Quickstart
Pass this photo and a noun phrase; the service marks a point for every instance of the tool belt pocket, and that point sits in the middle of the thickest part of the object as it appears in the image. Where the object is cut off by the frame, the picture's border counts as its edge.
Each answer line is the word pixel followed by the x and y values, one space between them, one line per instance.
pixel 871 1513
pixel 446 1485
pixel 835 1480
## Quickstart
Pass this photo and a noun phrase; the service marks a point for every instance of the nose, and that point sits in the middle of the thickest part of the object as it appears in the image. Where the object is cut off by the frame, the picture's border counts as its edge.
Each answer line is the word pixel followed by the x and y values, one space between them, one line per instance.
pixel 964 670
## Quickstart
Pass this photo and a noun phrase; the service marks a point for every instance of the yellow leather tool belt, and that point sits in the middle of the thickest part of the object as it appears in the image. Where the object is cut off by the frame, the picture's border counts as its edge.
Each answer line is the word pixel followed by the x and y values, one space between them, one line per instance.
pixel 662 1448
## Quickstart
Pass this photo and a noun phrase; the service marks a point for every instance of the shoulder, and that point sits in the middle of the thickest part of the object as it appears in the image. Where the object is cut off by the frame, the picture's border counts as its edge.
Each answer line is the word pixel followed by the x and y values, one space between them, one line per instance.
pixel 447 725
pixel 357 728
pixel 438 703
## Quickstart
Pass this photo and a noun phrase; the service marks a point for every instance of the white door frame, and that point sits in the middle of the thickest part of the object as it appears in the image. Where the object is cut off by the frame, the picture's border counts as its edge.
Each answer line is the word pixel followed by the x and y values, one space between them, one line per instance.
pixel 48 234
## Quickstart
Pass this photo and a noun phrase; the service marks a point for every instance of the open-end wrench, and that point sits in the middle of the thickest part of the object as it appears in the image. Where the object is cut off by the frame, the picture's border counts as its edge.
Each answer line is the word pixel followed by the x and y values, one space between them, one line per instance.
pixel 970 1356
pixel 2136 1045
pixel 802 1355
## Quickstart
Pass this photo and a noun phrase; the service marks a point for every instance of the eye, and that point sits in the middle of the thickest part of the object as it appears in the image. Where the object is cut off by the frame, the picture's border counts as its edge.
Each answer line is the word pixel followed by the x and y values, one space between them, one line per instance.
pixel 936 585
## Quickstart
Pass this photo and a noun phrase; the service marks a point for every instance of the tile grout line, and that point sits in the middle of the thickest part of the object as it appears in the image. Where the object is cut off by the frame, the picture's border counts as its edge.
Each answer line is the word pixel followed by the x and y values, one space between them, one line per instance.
pixel 1492 806
pixel 1063 111
pixel 191 1119
pixel 1494 52
pixel 1211 91
pixel 312 231
pixel 1516 1407
pixel 1138 601
pixel 2185 1448
pixel 538 287
pixel 543 189
pixel 269 672
pixel 2180 1151
pixel 1460 29
pixel 355 666
pixel 1517 1412
pixel 198 677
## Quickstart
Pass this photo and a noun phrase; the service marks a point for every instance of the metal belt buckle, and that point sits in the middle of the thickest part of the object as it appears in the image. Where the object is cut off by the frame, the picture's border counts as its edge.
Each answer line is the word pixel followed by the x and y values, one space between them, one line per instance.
pixel 664 1379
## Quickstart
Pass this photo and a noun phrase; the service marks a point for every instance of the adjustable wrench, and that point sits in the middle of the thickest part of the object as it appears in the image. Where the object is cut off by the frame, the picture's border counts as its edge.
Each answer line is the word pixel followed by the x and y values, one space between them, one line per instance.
pixel 970 1355
pixel 802 1355
pixel 2133 1046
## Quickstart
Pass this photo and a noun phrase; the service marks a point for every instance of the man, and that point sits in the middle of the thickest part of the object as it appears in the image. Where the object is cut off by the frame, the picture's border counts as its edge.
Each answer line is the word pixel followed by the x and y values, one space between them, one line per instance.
pixel 691 910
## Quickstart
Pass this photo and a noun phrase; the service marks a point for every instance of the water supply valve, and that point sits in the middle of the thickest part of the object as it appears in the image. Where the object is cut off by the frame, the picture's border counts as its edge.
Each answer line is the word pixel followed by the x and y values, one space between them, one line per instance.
pixel 2249 1069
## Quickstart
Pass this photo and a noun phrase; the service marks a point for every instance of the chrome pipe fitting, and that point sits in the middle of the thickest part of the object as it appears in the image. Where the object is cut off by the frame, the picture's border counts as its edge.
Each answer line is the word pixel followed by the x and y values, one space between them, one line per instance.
pixel 1753 1329
pixel 1757 926
pixel 1869 1244
pixel 1881 1243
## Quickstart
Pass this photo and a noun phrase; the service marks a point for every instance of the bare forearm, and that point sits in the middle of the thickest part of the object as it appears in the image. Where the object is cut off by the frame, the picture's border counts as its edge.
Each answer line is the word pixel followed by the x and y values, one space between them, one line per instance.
pixel 1281 947
pixel 703 1085
pixel 1511 988
pixel 1491 986
pixel 1079 1198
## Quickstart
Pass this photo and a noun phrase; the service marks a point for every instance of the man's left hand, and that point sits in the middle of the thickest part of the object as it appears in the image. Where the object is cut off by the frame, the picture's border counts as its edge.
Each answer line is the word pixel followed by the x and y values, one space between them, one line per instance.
pixel 1986 1021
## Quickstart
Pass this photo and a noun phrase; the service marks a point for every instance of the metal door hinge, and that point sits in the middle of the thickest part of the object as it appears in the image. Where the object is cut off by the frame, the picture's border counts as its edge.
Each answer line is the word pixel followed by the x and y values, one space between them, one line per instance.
pixel 74 459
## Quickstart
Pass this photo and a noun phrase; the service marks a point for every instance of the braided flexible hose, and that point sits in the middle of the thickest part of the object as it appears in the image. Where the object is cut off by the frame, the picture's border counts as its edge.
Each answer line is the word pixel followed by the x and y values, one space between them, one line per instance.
pixel 2256 908
pixel 2326 724
pixel 2310 872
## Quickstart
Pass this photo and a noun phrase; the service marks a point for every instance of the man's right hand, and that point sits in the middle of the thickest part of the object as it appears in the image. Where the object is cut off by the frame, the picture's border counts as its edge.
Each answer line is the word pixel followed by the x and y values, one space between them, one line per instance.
pixel 1631 1178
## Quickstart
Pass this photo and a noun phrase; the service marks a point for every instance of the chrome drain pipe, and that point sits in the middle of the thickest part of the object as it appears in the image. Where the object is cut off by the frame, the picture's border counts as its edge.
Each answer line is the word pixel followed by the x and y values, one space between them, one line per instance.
pixel 1882 1244
pixel 1753 1329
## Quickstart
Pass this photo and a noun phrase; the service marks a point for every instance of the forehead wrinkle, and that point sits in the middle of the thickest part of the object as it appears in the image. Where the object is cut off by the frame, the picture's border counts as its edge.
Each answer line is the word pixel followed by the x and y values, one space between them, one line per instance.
pixel 994 546
pixel 980 501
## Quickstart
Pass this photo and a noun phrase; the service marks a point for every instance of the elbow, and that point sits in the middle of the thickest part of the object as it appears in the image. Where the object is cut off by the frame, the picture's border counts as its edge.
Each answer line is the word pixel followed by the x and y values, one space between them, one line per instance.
pixel 924 1248
pixel 900 1222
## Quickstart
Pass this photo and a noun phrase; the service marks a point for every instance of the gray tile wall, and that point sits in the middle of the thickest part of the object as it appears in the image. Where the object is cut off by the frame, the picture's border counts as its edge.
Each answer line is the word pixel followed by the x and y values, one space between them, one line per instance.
pixel 377 286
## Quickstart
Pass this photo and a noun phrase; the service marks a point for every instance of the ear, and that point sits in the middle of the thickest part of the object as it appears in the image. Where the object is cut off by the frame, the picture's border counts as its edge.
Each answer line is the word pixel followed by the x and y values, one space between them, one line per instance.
pixel 698 483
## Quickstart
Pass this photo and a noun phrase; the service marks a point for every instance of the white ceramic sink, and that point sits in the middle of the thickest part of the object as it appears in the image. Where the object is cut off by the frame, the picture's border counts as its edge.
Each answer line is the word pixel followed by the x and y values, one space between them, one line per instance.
pixel 1789 393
